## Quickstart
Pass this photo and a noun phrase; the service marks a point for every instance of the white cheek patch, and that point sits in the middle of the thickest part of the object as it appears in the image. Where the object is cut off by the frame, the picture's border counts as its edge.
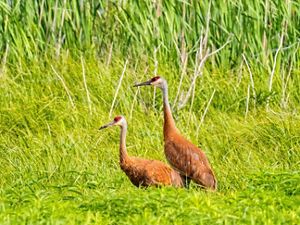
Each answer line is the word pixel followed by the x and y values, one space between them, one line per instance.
pixel 157 82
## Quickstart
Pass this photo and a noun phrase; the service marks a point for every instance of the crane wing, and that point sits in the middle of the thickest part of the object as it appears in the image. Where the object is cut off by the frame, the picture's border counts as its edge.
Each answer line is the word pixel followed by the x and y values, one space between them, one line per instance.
pixel 189 160
pixel 160 173
pixel 152 172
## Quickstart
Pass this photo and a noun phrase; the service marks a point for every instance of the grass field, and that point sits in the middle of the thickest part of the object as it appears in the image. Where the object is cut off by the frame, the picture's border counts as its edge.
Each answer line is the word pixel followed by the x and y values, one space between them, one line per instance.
pixel 56 167
pixel 64 62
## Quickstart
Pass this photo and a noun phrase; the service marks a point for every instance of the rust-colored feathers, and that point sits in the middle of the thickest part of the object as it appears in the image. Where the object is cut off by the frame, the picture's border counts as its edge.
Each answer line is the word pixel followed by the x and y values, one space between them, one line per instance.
pixel 143 172
pixel 189 160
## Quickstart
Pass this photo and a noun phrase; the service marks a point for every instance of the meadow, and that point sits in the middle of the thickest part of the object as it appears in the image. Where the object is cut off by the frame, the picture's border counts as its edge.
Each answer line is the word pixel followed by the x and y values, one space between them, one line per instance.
pixel 68 67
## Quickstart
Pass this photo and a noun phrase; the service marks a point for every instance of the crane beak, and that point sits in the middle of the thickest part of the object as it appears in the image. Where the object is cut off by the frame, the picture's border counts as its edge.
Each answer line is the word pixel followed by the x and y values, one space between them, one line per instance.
pixel 107 125
pixel 143 83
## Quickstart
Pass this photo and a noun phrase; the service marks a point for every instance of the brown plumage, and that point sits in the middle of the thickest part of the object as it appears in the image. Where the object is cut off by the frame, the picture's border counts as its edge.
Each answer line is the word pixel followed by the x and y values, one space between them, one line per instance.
pixel 143 172
pixel 183 156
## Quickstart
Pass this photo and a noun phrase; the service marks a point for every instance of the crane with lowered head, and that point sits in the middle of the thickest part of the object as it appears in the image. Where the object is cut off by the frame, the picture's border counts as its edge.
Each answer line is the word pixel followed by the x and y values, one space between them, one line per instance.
pixel 185 157
pixel 143 172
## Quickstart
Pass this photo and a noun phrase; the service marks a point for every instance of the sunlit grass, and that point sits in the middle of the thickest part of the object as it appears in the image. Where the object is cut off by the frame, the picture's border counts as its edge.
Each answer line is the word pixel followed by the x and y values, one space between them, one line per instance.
pixel 56 167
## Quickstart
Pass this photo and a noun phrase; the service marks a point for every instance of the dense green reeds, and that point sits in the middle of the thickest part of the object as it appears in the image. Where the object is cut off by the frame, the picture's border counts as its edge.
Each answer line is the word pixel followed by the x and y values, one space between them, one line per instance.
pixel 176 29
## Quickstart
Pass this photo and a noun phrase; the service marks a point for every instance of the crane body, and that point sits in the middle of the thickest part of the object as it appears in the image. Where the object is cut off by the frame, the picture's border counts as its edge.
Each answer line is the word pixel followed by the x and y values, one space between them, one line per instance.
pixel 190 161
pixel 143 172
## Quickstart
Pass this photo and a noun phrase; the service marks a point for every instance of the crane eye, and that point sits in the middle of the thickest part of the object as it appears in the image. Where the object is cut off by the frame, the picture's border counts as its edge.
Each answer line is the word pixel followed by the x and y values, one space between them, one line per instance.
pixel 155 79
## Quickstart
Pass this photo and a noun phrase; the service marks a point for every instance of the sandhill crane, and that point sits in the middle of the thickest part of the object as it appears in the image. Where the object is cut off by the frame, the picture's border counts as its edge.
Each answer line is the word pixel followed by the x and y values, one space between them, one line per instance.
pixel 183 156
pixel 143 172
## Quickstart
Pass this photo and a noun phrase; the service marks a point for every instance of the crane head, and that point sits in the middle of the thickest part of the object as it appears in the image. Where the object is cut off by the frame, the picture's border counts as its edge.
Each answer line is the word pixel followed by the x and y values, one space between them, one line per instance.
pixel 118 121
pixel 155 81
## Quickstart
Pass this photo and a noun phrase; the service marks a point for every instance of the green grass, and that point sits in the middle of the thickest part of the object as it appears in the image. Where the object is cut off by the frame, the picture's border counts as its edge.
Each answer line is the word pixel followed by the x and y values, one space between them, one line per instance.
pixel 243 109
pixel 57 168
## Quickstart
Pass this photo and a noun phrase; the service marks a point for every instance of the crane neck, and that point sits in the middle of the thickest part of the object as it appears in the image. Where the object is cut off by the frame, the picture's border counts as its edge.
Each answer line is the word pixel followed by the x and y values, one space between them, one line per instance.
pixel 169 123
pixel 123 150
